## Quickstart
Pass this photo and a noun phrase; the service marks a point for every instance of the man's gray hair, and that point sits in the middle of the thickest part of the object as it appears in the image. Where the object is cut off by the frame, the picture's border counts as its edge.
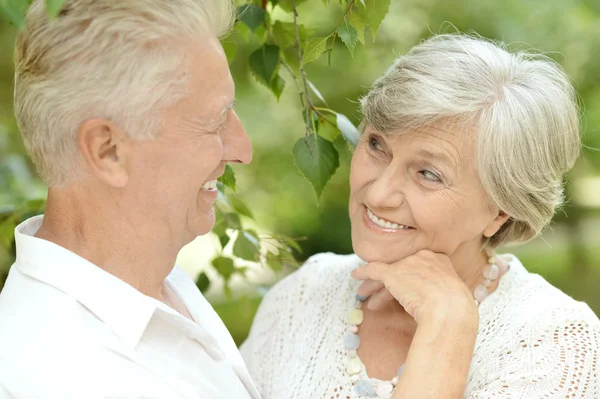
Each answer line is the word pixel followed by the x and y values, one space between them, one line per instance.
pixel 121 60
pixel 522 107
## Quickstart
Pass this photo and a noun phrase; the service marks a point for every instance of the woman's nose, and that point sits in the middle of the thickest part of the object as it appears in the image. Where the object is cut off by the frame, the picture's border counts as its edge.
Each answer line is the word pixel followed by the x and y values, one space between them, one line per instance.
pixel 237 147
pixel 386 191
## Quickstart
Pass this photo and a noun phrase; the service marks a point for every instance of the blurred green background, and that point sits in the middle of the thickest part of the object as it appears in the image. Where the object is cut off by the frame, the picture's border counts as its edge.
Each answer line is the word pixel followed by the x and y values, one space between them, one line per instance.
pixel 567 255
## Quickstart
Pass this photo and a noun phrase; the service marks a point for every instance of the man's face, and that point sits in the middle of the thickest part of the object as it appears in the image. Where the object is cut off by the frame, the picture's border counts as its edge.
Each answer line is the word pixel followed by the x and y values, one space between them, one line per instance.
pixel 174 176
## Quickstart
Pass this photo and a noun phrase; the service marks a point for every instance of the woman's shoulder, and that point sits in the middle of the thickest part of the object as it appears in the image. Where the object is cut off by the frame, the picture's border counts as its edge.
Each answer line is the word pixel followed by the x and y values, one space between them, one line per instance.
pixel 538 301
pixel 533 334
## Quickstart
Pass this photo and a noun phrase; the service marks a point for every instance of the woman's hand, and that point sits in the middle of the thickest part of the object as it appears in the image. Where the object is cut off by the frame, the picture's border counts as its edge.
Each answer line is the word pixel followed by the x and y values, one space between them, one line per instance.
pixel 428 288
pixel 425 284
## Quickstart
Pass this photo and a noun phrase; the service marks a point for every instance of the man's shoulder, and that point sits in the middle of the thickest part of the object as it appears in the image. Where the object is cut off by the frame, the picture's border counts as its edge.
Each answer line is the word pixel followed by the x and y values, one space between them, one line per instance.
pixel 40 323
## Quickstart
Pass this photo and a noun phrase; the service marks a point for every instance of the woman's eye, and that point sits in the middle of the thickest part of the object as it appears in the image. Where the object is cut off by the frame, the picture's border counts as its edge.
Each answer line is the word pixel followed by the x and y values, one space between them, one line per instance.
pixel 375 144
pixel 429 175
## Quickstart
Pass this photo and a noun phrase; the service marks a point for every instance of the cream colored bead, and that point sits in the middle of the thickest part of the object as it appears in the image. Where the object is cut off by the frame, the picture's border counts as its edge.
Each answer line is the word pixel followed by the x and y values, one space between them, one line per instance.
pixel 491 272
pixel 353 366
pixel 395 381
pixel 491 260
pixel 481 293
pixel 356 317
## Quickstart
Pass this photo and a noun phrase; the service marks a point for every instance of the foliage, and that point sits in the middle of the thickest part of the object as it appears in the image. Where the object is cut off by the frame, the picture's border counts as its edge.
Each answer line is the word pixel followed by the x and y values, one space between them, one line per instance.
pixel 282 47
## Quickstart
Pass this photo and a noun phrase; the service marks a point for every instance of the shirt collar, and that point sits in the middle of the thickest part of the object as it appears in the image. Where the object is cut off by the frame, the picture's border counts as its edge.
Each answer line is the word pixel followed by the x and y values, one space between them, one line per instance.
pixel 120 306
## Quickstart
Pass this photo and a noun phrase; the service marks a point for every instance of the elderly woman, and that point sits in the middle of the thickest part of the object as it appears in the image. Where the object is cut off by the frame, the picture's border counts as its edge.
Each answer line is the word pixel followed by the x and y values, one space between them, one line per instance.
pixel 464 149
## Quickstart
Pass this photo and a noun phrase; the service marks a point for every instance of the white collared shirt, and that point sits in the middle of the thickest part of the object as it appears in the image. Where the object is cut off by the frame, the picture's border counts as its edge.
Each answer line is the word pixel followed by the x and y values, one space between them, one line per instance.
pixel 68 329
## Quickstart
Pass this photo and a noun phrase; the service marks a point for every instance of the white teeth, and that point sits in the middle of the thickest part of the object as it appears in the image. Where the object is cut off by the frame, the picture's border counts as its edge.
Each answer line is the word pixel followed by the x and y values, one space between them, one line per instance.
pixel 385 223
pixel 210 185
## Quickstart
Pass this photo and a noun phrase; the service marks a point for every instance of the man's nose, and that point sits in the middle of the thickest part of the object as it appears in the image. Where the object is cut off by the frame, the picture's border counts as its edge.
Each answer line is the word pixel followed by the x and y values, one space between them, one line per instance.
pixel 237 147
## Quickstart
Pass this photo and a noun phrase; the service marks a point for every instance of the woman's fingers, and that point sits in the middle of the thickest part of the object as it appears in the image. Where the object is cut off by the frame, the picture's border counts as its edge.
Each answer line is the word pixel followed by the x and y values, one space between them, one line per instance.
pixel 374 287
pixel 369 288
pixel 380 299
pixel 371 271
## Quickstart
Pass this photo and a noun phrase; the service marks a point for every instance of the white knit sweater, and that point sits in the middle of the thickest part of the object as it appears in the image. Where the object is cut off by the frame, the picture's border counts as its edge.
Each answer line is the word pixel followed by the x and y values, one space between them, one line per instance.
pixel 534 341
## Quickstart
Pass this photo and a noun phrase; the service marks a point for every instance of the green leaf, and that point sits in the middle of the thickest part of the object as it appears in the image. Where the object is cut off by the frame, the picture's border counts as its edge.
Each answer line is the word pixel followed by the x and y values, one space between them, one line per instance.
pixel 350 132
pixel 314 49
pixel 247 245
pixel 317 159
pixel 228 178
pixel 243 31
pixel 220 229
pixel 284 34
pixel 251 15
pixel 316 91
pixel 240 207
pixel 224 266
pixel 290 55
pixel 274 262
pixel 358 22
pixel 203 282
pixel 264 63
pixel 14 11
pixel 349 36
pixel 232 220
pixel 277 86
pixel 230 49
pixel 53 7
pixel 289 242
pixel 287 4
pixel 375 12
pixel 327 130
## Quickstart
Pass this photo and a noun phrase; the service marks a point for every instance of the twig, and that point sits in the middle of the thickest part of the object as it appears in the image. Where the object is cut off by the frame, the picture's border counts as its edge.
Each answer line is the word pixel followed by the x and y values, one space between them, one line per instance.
pixel 308 105
pixel 347 12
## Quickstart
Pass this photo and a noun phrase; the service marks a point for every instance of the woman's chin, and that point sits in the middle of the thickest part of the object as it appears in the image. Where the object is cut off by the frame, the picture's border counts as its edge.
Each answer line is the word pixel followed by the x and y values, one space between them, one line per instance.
pixel 371 253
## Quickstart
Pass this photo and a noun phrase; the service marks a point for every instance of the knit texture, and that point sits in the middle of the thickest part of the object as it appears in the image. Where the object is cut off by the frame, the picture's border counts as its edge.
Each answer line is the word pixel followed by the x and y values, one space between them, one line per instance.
pixel 534 341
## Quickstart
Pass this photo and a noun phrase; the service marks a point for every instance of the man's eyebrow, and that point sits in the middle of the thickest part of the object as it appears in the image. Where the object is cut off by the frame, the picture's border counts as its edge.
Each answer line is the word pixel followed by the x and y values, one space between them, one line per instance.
pixel 224 110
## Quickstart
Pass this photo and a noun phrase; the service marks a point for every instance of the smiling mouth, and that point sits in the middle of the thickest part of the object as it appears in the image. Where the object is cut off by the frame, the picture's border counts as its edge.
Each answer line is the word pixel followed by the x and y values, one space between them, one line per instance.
pixel 386 224
pixel 210 185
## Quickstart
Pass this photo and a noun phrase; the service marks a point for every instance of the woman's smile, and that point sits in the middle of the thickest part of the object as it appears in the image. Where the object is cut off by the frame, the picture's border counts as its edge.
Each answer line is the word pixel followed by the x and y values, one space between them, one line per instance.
pixel 382 225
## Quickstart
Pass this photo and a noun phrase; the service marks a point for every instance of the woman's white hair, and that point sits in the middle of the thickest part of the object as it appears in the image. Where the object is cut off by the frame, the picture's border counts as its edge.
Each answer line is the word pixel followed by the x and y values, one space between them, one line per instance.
pixel 522 107
pixel 119 60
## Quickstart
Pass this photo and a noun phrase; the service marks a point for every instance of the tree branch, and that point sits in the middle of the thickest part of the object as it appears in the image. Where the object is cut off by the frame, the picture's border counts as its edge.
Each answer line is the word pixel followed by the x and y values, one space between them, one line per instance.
pixel 308 104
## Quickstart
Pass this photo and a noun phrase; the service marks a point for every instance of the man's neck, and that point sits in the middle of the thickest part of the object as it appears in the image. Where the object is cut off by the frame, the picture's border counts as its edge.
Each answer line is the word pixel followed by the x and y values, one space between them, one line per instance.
pixel 103 235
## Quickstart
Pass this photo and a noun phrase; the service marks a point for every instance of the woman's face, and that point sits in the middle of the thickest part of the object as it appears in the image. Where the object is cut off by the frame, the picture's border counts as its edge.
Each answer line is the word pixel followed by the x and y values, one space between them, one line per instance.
pixel 418 190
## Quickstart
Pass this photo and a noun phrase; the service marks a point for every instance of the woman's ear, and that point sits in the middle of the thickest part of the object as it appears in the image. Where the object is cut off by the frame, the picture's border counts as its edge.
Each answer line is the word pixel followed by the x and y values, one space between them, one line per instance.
pixel 104 148
pixel 493 227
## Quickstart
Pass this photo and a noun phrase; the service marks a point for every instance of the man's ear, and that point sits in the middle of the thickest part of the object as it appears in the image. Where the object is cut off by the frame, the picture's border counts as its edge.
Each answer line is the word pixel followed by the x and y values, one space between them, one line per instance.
pixel 493 227
pixel 104 148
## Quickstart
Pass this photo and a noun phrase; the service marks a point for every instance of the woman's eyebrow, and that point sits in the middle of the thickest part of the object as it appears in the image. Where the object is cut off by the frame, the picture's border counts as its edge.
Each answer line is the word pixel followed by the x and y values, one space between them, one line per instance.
pixel 436 156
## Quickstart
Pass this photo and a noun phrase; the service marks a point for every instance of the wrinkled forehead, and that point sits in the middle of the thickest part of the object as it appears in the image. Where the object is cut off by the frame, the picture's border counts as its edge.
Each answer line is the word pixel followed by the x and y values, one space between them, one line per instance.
pixel 457 139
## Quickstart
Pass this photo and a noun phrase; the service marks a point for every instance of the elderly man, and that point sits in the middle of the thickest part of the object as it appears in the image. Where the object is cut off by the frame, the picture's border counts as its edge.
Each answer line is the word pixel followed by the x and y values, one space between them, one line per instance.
pixel 126 108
